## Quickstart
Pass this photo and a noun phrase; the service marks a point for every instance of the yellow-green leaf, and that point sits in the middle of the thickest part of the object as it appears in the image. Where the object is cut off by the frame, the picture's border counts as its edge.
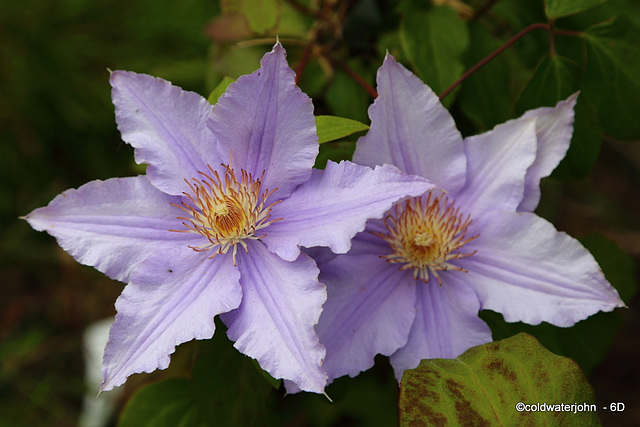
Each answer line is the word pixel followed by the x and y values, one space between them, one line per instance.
pixel 485 384
pixel 331 128
pixel 220 89
pixel 262 15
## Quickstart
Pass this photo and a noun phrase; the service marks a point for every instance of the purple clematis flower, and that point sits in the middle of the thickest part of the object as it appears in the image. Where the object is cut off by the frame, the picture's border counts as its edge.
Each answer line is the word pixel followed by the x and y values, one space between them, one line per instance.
pixel 412 285
pixel 216 224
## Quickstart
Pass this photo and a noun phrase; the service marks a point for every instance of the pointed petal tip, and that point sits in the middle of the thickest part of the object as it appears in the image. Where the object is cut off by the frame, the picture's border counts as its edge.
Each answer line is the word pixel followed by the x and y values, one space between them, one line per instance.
pixel 277 50
pixel 573 98
pixel 390 64
pixel 619 302
pixel 569 103
pixel 549 277
pixel 275 324
pixel 107 383
pixel 292 388
pixel 117 75
pixel 390 58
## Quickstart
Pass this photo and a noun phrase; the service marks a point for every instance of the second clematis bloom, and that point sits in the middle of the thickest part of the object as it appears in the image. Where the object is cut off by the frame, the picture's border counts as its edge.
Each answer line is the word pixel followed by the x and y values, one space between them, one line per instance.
pixel 216 224
pixel 413 283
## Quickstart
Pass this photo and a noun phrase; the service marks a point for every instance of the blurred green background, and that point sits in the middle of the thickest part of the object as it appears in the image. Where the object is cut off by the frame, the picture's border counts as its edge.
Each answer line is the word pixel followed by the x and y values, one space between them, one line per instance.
pixel 57 131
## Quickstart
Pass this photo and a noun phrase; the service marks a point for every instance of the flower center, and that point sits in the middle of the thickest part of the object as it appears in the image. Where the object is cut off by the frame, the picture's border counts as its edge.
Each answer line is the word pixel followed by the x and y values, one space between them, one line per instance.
pixel 226 210
pixel 425 235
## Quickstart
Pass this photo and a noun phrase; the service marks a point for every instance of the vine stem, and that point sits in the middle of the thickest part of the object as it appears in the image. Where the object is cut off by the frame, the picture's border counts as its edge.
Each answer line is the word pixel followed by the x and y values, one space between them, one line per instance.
pixel 306 55
pixel 358 78
pixel 538 25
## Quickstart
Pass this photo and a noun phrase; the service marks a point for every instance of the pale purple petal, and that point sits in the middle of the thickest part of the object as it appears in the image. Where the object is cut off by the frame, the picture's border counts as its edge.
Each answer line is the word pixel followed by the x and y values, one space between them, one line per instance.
pixel 172 298
pixel 554 128
pixel 367 242
pixel 364 243
pixel 530 272
pixel 166 126
pixel 267 123
pixel 446 323
pixel 369 310
pixel 412 130
pixel 320 254
pixel 281 304
pixel 497 164
pixel 334 204
pixel 112 225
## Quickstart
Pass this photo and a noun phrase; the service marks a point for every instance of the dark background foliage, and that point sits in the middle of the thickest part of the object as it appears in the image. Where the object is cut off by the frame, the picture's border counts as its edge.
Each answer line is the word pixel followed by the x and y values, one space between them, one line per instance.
pixel 57 131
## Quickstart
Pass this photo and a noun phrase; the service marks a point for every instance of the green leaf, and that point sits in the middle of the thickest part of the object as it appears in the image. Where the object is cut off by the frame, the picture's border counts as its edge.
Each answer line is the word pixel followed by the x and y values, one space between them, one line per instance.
pixel 558 8
pixel 618 267
pixel 588 341
pixel 612 78
pixel 483 386
pixel 585 144
pixel 331 128
pixel 484 97
pixel 314 80
pixel 335 151
pixel 225 389
pixel 167 403
pixel 554 79
pixel 229 388
pixel 435 40
pixel 369 400
pixel 262 15
pixel 519 14
pixel 346 97
pixel 220 89
pixel 390 42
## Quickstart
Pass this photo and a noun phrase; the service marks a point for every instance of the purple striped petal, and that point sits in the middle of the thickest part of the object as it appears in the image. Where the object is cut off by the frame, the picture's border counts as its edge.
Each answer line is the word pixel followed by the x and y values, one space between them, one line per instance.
pixel 412 130
pixel 166 126
pixel 267 123
pixel 530 272
pixel 281 304
pixel 446 324
pixel 369 243
pixel 172 298
pixel 334 204
pixel 497 164
pixel 369 310
pixel 554 128
pixel 112 225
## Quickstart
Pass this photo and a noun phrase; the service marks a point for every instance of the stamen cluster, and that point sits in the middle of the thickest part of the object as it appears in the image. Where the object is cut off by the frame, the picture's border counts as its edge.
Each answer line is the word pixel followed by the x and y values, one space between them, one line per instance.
pixel 425 235
pixel 226 210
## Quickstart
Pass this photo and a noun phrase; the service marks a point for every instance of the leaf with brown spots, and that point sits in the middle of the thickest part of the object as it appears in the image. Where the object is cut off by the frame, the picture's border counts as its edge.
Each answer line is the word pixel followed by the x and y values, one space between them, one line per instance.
pixel 483 386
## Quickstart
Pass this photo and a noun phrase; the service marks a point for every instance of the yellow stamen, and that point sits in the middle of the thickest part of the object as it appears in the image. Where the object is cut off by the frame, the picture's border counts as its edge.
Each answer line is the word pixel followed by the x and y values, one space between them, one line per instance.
pixel 226 210
pixel 425 235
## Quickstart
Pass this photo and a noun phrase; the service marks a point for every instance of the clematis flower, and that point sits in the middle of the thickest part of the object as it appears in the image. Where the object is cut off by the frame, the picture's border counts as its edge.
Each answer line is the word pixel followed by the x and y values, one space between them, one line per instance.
pixel 216 224
pixel 413 283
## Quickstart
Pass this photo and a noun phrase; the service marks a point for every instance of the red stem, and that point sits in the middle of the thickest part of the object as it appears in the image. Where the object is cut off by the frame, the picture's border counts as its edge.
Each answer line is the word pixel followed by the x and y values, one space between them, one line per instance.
pixel 492 55
pixel 306 55
pixel 358 78
pixel 568 33
pixel 552 42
